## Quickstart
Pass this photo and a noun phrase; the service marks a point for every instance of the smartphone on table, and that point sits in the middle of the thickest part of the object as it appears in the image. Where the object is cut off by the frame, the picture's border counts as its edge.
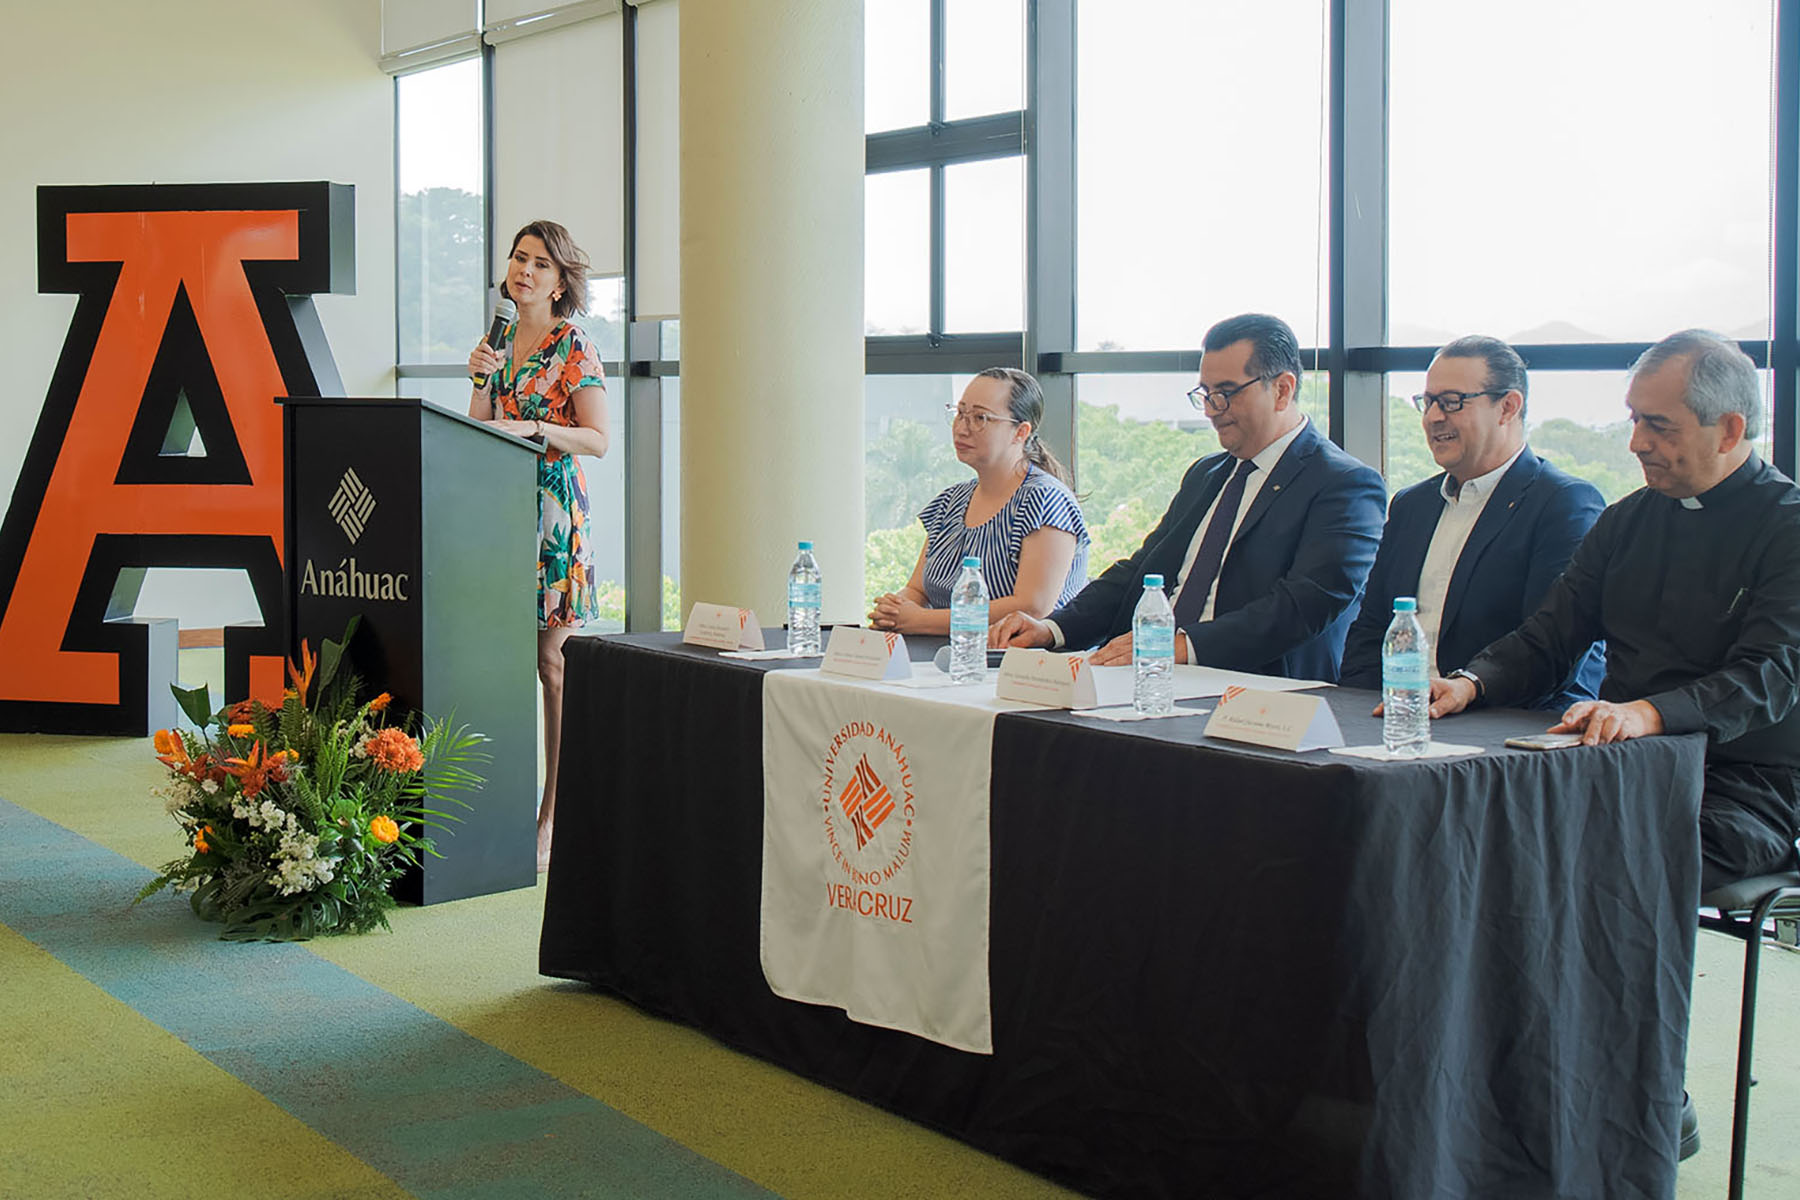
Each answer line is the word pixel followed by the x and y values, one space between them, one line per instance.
pixel 1544 741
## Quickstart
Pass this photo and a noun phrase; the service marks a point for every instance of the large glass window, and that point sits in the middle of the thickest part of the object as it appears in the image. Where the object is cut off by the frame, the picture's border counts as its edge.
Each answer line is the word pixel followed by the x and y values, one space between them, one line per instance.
pixel 897 252
pixel 896 64
pixel 1578 172
pixel 441 279
pixel 1201 169
pixel 1575 419
pixel 984 246
pixel 908 458
pixel 984 57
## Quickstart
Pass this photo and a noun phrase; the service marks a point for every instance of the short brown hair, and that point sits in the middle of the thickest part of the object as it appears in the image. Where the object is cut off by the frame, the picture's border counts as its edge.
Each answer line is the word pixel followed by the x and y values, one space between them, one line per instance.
pixel 571 264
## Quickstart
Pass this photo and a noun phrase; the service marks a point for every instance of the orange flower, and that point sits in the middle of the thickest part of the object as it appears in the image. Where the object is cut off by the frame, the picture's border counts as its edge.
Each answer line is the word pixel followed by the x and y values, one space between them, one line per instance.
pixel 383 830
pixel 205 768
pixel 240 730
pixel 171 751
pixel 380 703
pixel 394 751
pixel 300 674
pixel 241 712
pixel 200 845
pixel 252 771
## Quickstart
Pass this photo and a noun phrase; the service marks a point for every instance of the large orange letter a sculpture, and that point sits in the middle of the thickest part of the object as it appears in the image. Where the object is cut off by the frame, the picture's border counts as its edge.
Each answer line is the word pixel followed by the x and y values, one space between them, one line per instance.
pixel 196 293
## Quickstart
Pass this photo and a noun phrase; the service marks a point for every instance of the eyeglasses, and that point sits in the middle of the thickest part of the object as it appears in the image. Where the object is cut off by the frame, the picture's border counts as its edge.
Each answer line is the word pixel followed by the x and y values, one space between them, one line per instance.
pixel 1448 402
pixel 974 418
pixel 1218 399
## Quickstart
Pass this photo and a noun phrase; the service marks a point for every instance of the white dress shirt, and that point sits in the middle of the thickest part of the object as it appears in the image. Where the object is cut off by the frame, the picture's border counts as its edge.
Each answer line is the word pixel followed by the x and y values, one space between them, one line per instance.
pixel 1462 508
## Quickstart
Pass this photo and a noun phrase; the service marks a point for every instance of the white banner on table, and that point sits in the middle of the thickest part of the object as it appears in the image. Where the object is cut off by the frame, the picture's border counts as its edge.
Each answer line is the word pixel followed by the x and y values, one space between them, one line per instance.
pixel 875 853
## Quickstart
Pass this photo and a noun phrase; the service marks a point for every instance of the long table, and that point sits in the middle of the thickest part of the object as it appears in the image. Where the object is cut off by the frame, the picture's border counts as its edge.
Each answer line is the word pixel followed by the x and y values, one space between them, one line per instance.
pixel 1215 971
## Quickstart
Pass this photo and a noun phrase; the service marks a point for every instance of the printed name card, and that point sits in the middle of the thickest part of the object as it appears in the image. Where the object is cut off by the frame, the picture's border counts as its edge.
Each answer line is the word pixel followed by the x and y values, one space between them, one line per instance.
pixel 1061 680
pixel 1279 720
pixel 722 628
pixel 866 654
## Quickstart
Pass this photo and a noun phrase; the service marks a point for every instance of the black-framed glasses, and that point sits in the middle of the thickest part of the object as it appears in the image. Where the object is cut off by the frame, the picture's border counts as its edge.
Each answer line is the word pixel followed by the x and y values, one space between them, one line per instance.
pixel 1449 402
pixel 1218 399
pixel 975 418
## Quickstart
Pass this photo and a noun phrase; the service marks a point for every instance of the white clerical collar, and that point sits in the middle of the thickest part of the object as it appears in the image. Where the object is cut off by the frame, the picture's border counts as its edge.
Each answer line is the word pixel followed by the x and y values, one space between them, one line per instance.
pixel 1481 485
pixel 1266 458
pixel 1690 502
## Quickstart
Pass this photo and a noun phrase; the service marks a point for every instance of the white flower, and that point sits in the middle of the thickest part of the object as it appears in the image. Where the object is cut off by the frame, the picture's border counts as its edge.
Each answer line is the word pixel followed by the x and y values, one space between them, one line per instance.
pixel 209 786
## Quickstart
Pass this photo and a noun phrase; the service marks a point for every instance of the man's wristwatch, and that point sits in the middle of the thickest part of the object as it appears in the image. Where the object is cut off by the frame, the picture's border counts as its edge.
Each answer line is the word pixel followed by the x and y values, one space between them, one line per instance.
pixel 1472 677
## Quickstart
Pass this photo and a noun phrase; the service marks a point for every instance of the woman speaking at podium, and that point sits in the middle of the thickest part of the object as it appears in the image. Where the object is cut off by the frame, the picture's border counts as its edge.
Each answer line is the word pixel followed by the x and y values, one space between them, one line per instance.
pixel 544 381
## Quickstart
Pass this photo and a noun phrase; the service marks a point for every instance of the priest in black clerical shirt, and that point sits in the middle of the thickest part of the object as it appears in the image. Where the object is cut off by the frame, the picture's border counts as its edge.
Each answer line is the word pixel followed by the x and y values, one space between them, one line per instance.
pixel 1694 582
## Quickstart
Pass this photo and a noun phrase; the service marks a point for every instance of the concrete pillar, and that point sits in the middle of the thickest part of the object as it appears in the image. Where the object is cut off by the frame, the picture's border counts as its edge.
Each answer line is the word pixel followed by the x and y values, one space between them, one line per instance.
pixel 772 300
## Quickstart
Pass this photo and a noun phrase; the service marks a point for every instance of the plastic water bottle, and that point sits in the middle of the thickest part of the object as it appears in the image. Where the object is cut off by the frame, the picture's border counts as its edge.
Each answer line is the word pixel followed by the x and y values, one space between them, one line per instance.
pixel 1405 683
pixel 1153 651
pixel 969 624
pixel 803 603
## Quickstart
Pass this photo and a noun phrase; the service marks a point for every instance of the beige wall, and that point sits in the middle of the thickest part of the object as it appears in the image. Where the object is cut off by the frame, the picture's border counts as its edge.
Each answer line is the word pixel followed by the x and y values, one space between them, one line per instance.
pixel 200 91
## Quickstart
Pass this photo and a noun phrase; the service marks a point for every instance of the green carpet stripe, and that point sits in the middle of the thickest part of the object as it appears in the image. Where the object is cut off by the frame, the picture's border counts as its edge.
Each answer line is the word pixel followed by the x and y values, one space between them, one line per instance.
pixel 441 1113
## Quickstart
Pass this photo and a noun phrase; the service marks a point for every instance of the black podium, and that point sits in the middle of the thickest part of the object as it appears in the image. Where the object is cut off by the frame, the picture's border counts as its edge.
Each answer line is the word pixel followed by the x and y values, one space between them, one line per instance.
pixel 423 522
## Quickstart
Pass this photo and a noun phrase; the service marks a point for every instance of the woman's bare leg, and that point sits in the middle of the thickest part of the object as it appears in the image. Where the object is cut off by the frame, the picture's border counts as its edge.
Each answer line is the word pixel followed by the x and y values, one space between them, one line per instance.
pixel 550 673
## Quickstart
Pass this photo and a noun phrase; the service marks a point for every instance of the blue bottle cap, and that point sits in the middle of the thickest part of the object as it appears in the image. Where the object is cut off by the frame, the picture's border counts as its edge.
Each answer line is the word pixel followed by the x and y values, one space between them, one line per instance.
pixel 1406 604
pixel 806 545
pixel 1153 581
pixel 971 561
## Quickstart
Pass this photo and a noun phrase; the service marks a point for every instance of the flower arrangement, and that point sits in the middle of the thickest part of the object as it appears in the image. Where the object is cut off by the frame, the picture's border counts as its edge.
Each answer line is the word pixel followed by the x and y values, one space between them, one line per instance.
pixel 300 818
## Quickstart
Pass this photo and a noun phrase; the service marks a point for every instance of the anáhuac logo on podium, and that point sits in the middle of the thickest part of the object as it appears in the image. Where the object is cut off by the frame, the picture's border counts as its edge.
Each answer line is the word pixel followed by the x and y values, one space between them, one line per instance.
pixel 351 506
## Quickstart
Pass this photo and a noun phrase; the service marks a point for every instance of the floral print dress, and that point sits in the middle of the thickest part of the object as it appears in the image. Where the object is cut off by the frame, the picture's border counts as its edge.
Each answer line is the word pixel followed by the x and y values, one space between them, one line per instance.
pixel 540 389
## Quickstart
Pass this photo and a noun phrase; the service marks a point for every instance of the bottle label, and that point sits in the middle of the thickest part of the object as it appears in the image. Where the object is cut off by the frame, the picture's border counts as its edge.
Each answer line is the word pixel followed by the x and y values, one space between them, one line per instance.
pixel 1404 670
pixel 1153 641
pixel 803 595
pixel 968 618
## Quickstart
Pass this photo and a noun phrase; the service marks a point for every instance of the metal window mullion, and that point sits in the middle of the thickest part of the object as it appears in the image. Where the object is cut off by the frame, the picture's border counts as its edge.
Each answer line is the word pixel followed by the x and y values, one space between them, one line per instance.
pixel 639 395
pixel 1358 185
pixel 995 135
pixel 936 321
pixel 398 248
pixel 1784 344
pixel 1547 356
pixel 1048 129
pixel 937 62
pixel 936 325
pixel 487 168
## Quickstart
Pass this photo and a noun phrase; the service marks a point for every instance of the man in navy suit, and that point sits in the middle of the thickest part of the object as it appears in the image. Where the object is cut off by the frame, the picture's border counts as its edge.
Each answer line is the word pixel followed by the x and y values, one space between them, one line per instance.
pixel 1266 545
pixel 1480 543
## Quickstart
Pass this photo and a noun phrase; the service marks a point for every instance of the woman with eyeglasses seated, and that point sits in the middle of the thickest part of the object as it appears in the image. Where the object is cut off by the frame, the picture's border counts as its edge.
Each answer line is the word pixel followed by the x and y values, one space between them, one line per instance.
pixel 1017 515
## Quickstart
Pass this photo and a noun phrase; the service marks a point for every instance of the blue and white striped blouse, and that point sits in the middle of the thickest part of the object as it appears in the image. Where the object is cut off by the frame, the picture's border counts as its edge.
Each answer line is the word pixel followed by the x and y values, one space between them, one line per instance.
pixel 1039 501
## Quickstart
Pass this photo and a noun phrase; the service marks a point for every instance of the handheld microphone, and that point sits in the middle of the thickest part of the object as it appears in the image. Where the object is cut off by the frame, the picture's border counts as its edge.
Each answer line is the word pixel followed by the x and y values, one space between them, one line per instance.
pixel 505 313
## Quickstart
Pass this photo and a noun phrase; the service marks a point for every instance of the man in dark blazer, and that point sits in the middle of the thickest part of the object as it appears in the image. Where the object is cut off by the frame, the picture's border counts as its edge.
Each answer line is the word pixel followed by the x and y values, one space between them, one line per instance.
pixel 1479 544
pixel 1266 545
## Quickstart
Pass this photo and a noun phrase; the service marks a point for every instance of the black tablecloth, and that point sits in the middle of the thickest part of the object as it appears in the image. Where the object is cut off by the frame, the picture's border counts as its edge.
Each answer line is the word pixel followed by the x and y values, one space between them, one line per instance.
pixel 1215 970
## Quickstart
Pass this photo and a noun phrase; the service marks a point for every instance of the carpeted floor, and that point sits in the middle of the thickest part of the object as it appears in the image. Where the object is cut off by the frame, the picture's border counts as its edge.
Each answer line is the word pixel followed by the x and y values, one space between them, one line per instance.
pixel 143 1058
